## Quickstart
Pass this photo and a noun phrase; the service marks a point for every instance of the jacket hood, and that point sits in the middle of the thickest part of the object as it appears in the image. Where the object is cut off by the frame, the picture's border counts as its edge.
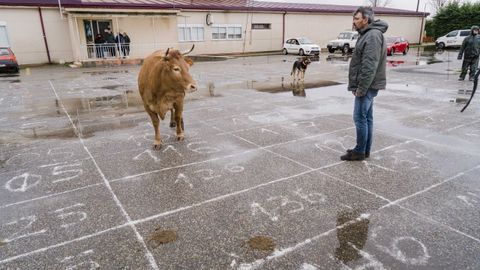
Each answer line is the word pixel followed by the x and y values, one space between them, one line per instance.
pixel 377 24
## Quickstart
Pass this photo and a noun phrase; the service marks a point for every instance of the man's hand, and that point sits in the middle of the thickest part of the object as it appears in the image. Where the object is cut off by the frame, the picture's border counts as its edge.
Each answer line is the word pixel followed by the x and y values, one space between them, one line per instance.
pixel 358 93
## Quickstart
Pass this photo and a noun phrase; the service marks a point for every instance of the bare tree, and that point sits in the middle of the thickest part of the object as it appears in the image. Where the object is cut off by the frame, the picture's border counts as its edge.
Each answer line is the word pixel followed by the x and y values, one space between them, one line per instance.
pixel 437 4
pixel 379 3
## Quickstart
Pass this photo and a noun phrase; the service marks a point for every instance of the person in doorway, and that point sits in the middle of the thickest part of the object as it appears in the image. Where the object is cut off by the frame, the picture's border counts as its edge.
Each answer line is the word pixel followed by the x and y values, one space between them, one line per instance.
pixel 470 51
pixel 366 76
pixel 126 46
pixel 109 43
pixel 120 41
pixel 99 41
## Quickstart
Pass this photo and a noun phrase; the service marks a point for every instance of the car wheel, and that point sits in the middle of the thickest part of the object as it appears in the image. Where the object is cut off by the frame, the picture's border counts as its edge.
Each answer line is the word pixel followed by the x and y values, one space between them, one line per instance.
pixel 346 48
pixel 285 52
pixel 331 50
pixel 406 51
pixel 301 52
pixel 440 45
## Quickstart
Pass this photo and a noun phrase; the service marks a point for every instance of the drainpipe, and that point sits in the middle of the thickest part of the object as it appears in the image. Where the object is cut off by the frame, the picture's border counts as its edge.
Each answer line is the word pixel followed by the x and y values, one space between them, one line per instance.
pixel 283 31
pixel 44 35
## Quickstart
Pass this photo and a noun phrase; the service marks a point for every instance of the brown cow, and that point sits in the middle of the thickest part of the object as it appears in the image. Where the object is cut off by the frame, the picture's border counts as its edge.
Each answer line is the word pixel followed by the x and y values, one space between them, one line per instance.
pixel 163 81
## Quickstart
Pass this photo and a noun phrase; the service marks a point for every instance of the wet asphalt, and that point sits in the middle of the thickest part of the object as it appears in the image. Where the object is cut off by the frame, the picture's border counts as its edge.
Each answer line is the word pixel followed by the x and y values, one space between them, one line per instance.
pixel 257 183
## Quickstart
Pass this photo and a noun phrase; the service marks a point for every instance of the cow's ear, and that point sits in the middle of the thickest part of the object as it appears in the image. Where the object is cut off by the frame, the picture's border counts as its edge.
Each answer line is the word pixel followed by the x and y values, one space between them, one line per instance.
pixel 189 61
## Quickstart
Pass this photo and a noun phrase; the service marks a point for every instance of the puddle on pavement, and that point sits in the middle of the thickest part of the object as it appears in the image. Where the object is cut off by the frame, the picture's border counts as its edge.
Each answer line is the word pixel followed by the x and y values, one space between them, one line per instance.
pixel 261 243
pixel 161 237
pixel 105 105
pixel 352 235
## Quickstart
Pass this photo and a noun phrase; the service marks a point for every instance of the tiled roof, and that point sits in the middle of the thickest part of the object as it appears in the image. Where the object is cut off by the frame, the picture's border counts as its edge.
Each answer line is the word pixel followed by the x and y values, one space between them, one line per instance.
pixel 206 5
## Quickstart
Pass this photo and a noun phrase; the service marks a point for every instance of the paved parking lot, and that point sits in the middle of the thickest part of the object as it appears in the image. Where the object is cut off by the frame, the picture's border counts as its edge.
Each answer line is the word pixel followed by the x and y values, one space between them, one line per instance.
pixel 257 183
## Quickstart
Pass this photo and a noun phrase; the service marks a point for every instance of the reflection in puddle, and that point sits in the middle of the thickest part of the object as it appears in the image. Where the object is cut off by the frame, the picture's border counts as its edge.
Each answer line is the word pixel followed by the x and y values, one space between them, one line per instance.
pixel 338 57
pixel 95 73
pixel 101 113
pixel 352 235
pixel 297 88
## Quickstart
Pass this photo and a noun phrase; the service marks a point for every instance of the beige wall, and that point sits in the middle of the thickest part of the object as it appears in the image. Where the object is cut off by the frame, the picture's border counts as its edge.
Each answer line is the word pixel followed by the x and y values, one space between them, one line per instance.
pixel 26 38
pixel 321 28
pixel 151 32
pixel 407 27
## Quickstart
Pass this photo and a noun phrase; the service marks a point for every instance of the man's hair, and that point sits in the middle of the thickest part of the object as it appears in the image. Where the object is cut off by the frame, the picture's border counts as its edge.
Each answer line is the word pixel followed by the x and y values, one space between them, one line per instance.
pixel 367 12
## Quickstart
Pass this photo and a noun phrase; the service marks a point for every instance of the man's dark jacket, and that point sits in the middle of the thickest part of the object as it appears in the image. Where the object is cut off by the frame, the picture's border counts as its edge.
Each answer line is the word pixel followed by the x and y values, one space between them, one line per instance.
pixel 470 47
pixel 369 60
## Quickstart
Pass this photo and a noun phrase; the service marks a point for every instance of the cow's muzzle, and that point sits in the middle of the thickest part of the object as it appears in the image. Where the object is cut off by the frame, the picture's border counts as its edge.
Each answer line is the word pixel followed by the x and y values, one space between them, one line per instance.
pixel 191 88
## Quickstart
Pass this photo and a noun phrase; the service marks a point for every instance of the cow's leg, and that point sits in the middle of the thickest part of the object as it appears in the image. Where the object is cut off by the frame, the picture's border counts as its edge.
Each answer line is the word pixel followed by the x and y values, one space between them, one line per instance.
pixel 157 142
pixel 179 120
pixel 172 119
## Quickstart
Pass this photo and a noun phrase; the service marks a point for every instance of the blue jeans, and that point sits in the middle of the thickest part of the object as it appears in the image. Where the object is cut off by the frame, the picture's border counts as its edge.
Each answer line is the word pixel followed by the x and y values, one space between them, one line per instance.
pixel 363 118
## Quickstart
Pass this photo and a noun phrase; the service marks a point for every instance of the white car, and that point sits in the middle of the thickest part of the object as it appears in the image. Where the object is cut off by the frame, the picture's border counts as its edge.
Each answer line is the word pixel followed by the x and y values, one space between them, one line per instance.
pixel 301 46
pixel 345 42
pixel 452 39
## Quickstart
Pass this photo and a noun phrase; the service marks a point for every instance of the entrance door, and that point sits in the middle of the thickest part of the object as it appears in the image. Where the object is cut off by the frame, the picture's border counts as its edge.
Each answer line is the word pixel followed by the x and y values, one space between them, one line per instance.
pixel 92 28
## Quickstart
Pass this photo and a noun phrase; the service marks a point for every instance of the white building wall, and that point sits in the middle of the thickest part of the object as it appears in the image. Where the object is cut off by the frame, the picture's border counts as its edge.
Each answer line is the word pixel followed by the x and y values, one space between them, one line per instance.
pixel 26 37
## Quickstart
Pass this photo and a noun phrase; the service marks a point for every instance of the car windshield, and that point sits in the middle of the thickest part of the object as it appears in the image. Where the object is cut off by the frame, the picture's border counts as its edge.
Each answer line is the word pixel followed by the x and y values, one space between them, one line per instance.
pixel 304 41
pixel 391 39
pixel 345 36
pixel 4 51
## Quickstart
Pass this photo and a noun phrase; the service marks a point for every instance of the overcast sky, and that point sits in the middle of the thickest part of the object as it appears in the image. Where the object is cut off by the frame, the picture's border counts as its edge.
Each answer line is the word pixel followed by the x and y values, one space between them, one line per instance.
pixel 400 4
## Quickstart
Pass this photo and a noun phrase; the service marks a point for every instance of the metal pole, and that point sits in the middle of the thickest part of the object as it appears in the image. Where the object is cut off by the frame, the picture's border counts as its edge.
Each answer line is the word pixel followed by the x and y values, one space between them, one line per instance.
pixel 418 3
pixel 60 9
pixel 44 34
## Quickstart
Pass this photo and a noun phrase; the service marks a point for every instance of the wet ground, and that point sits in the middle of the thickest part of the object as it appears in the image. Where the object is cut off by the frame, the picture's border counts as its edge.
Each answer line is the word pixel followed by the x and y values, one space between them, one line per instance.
pixel 257 183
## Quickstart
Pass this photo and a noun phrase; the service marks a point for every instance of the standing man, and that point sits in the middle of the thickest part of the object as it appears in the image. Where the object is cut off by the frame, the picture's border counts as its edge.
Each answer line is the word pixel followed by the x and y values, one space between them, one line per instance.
pixel 366 75
pixel 471 49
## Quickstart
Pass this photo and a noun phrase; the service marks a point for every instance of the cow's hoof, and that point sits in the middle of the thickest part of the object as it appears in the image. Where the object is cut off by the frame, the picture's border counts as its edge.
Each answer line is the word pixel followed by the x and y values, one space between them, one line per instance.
pixel 173 124
pixel 180 137
pixel 157 146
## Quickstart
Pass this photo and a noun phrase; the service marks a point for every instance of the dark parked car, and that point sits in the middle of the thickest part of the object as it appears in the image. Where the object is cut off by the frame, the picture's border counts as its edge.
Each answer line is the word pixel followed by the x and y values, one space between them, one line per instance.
pixel 8 61
pixel 397 45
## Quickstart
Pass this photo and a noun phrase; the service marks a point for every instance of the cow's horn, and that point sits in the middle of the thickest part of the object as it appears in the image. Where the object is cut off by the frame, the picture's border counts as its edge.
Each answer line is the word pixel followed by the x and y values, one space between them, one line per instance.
pixel 166 53
pixel 189 51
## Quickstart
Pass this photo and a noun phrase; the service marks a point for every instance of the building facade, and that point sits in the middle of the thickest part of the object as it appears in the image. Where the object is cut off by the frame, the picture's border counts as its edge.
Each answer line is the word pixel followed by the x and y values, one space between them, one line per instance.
pixel 55 31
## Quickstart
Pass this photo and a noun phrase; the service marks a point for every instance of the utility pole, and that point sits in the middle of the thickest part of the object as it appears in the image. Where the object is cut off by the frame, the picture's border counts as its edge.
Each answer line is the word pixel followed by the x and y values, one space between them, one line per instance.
pixel 60 9
pixel 418 4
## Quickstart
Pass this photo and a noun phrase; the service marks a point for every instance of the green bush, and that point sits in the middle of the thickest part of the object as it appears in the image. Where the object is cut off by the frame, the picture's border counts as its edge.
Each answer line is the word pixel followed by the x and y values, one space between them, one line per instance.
pixel 453 16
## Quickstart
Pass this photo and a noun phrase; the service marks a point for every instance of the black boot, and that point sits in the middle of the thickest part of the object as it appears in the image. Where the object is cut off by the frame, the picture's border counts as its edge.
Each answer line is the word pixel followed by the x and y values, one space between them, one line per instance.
pixel 352 156
pixel 367 155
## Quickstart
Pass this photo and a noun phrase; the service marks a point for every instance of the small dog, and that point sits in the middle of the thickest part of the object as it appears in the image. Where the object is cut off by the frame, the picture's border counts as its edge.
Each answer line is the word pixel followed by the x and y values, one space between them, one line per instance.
pixel 299 68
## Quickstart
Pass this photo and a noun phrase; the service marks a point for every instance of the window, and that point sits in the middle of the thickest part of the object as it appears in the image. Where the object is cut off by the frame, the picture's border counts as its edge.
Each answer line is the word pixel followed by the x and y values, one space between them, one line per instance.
pixel 261 26
pixel 452 34
pixel 464 33
pixel 220 32
pixel 190 32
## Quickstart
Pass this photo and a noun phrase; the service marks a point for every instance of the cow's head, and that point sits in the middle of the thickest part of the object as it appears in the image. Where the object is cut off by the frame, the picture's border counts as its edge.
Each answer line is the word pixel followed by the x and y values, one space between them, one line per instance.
pixel 177 70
